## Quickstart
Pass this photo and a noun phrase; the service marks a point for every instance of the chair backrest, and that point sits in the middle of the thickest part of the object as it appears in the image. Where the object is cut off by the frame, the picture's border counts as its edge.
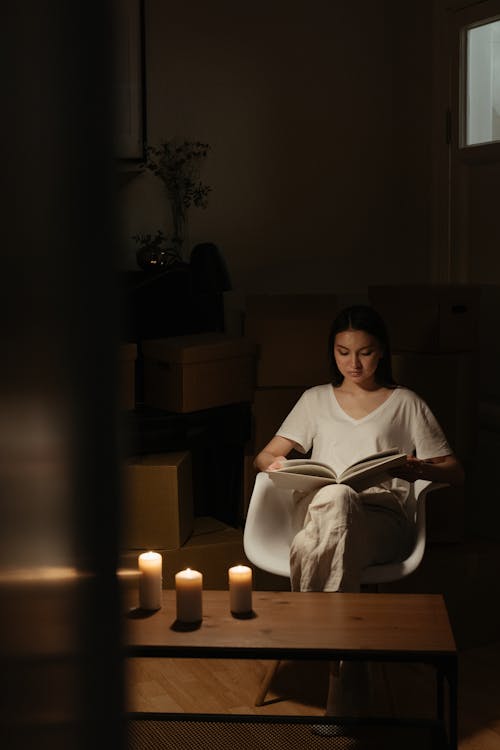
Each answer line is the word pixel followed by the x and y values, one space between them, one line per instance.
pixel 269 531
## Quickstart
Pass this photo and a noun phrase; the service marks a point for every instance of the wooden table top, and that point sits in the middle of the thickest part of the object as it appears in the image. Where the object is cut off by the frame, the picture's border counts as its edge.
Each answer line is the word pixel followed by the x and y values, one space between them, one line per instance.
pixel 300 625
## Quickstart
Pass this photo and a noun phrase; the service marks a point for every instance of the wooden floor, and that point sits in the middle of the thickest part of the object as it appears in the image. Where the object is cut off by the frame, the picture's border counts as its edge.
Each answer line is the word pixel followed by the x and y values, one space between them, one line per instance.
pixel 229 686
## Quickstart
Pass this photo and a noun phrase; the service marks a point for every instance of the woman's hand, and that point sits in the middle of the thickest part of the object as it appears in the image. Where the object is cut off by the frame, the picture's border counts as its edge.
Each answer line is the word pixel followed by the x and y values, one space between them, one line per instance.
pixel 276 464
pixel 445 469
pixel 412 470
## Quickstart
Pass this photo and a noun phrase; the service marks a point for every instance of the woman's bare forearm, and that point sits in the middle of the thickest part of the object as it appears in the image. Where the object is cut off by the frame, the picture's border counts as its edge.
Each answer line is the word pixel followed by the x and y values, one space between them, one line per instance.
pixel 442 469
pixel 264 459
pixel 447 470
pixel 277 448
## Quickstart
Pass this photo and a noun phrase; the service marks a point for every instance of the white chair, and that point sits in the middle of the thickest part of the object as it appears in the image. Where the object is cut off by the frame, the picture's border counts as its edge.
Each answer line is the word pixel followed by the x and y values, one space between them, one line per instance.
pixel 269 532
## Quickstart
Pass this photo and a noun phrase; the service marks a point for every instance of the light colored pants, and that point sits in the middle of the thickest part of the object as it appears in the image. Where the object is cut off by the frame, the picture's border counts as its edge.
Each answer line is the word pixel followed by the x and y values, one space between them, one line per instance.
pixel 343 532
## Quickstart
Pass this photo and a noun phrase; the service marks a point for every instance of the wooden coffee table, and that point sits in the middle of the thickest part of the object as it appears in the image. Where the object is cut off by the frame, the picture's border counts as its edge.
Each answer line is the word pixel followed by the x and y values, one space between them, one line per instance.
pixel 284 625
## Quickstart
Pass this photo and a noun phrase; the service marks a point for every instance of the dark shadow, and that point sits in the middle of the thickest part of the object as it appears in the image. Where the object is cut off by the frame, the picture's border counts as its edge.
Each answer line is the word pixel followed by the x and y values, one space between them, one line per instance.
pixel 185 627
pixel 244 615
pixel 303 682
pixel 138 613
pixel 272 701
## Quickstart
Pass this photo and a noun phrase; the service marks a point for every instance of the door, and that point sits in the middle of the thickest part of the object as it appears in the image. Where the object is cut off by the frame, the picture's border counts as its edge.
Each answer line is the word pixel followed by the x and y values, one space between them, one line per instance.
pixel 473 252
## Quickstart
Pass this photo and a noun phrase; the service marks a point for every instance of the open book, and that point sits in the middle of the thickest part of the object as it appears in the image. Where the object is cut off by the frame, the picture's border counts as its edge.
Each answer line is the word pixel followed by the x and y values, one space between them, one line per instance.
pixel 305 474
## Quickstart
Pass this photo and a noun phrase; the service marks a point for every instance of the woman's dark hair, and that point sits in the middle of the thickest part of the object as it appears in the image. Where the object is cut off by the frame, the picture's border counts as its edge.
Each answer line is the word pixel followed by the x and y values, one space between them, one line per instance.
pixel 362 318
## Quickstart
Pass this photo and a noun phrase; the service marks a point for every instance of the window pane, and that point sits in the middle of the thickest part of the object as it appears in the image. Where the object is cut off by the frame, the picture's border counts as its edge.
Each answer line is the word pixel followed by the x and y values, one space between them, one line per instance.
pixel 483 84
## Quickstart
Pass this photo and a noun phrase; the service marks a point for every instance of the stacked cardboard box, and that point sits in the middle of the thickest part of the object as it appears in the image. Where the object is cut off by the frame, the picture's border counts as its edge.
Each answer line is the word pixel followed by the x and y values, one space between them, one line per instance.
pixel 249 474
pixel 466 573
pixel 270 407
pixel 212 548
pixel 126 370
pixel 291 333
pixel 200 371
pixel 448 383
pixel 158 501
pixel 425 318
pixel 434 339
pixel 158 515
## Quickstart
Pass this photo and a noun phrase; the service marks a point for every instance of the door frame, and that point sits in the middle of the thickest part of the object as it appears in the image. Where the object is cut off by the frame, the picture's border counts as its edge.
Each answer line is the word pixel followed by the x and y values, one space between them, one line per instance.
pixel 450 159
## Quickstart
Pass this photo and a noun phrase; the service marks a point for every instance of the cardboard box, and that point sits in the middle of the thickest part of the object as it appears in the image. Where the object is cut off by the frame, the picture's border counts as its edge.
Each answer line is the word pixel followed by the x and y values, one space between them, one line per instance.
pixel 430 317
pixel 126 385
pixel 270 407
pixel 467 575
pixel 212 549
pixel 249 474
pixel 291 332
pixel 158 501
pixel 202 371
pixel 449 385
pixel 445 515
pixel 483 512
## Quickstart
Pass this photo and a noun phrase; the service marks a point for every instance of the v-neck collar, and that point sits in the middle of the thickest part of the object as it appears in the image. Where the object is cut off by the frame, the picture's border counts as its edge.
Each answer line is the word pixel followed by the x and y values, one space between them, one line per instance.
pixel 368 416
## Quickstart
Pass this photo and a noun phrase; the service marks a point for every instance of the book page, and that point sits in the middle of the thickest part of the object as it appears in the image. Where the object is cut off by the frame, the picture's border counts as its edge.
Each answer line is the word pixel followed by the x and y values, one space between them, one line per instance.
pixel 373 467
pixel 301 482
pixel 373 456
pixel 306 475
pixel 306 466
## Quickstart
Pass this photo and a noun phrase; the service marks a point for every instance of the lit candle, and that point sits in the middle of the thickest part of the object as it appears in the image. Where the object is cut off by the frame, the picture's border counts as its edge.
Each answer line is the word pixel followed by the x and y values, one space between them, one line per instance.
pixel 188 588
pixel 240 589
pixel 150 582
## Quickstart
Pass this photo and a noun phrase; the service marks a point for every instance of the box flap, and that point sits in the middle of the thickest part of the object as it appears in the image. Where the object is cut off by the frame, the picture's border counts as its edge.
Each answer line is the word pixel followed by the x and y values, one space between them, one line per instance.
pixel 158 459
pixel 202 347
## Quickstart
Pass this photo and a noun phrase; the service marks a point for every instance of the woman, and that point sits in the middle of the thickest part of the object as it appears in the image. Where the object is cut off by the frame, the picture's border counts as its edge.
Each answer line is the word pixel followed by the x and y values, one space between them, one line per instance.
pixel 362 411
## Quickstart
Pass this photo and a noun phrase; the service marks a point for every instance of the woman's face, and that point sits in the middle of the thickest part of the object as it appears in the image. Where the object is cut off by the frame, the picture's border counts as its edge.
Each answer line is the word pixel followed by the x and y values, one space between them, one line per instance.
pixel 357 355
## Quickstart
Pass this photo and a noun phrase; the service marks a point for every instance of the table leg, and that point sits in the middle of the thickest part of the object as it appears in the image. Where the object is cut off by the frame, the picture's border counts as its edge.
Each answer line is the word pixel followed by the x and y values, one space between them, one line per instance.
pixel 452 675
pixel 264 685
pixel 448 668
pixel 440 694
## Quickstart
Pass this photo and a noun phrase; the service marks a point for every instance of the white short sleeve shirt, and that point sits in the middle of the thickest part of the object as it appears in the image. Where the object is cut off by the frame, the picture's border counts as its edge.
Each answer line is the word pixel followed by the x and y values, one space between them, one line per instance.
pixel 402 421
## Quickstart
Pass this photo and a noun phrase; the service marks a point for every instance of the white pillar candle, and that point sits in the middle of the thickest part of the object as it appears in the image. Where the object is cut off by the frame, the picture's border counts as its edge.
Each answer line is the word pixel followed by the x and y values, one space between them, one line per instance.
pixel 188 590
pixel 150 582
pixel 240 589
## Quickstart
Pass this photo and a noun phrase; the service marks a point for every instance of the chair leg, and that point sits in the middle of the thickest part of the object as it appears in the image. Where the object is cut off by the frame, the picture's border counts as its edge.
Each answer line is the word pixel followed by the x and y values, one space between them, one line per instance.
pixel 264 685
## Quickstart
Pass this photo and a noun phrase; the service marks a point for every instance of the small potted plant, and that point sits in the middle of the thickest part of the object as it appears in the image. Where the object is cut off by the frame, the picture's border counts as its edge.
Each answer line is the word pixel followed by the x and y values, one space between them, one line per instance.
pixel 178 167
pixel 154 253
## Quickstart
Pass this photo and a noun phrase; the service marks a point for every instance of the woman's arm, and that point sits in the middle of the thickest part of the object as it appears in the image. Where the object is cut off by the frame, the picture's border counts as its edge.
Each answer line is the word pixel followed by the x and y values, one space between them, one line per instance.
pixel 445 469
pixel 274 453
